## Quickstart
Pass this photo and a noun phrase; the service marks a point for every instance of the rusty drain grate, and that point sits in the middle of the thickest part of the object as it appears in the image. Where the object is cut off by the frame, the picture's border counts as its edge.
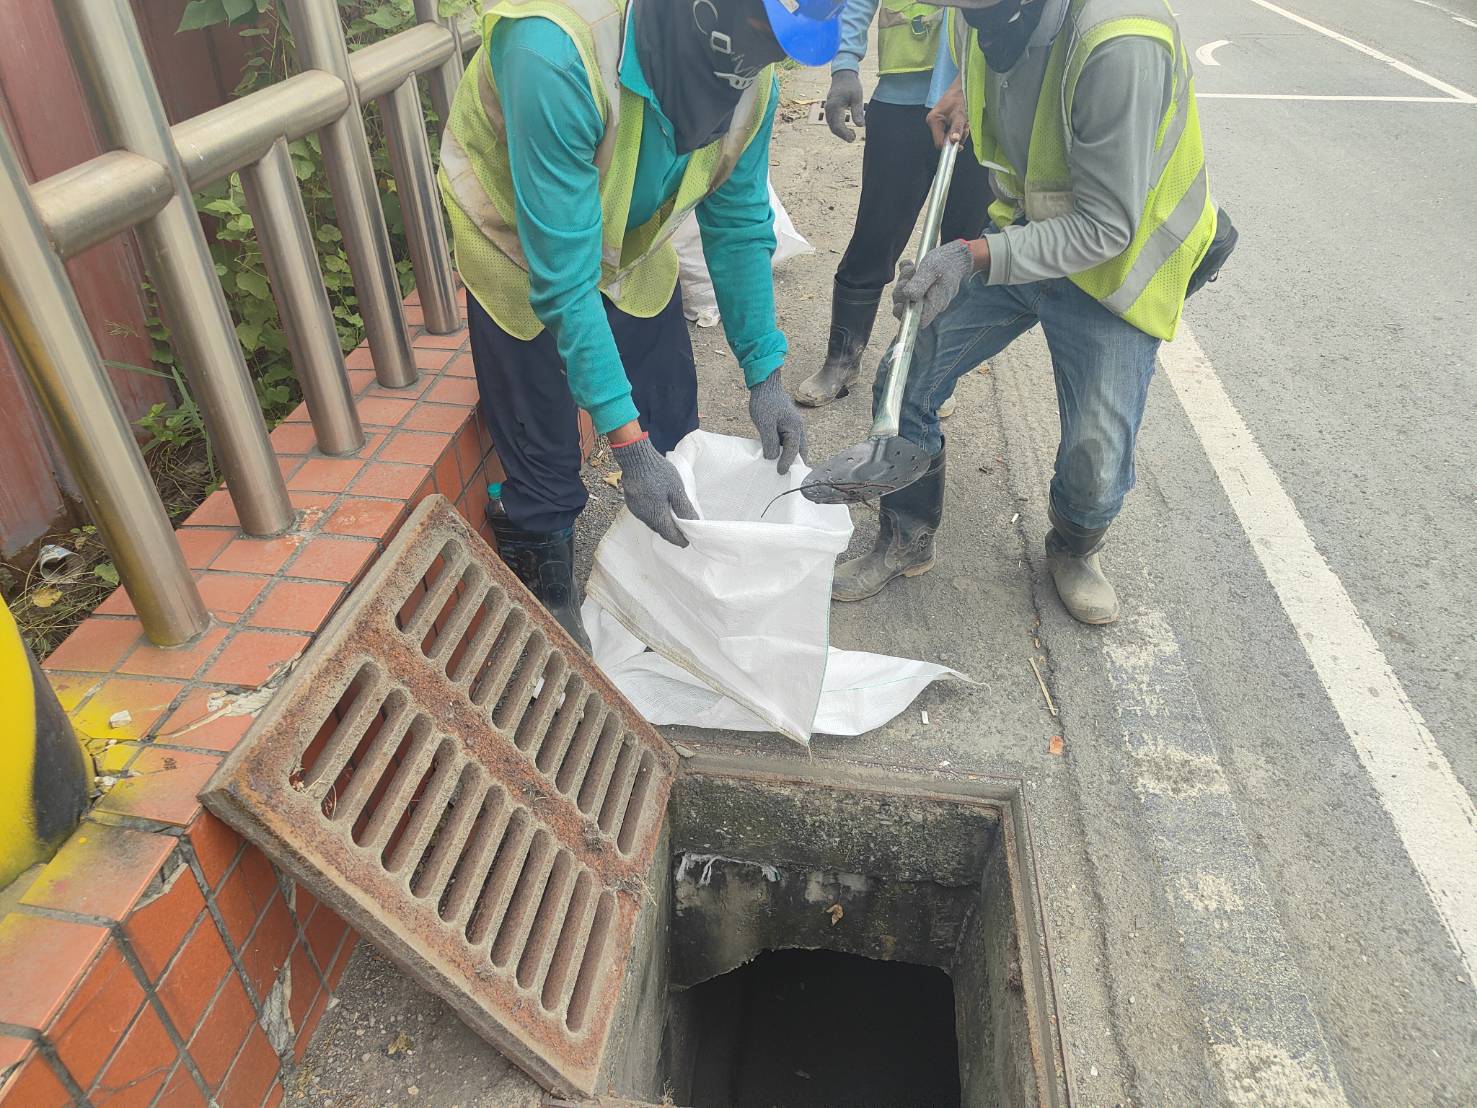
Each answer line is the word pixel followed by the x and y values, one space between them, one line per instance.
pixel 452 775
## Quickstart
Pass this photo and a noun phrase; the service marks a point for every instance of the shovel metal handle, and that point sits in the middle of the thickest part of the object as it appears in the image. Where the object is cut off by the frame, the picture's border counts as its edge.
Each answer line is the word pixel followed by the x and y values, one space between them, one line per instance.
pixel 900 357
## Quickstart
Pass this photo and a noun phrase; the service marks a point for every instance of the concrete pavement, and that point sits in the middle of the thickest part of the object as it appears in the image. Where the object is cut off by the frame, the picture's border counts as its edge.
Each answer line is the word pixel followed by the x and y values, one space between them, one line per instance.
pixel 1241 911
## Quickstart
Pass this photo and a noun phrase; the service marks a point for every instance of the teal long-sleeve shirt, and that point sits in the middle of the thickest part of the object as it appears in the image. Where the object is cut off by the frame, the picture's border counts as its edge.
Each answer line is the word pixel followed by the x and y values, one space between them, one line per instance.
pixel 553 129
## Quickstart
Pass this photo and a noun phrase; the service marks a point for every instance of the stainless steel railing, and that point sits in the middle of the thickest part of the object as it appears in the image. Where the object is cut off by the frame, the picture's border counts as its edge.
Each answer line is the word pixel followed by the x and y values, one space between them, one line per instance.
pixel 144 184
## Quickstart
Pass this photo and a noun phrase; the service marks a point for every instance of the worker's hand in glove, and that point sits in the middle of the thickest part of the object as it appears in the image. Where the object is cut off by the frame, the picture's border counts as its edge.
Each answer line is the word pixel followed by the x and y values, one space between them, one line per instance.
pixel 846 92
pixel 780 425
pixel 653 489
pixel 934 282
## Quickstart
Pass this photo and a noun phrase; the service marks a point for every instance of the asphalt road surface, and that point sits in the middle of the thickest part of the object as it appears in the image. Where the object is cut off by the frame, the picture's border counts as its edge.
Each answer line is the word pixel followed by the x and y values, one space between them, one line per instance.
pixel 1258 848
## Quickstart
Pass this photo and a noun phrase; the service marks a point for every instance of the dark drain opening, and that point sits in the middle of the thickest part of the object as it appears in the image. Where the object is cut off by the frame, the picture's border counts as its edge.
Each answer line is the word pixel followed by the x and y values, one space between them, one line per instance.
pixel 820 1029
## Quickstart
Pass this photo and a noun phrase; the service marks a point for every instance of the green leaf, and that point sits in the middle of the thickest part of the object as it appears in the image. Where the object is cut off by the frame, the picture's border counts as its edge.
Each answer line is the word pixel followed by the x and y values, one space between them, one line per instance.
pixel 202 13
pixel 235 9
pixel 250 335
pixel 107 572
pixel 253 284
pixel 329 233
pixel 385 17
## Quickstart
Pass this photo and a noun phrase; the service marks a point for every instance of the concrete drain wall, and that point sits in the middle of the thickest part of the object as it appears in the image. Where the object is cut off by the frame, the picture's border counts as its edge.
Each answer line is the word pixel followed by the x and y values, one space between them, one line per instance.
pixel 898 869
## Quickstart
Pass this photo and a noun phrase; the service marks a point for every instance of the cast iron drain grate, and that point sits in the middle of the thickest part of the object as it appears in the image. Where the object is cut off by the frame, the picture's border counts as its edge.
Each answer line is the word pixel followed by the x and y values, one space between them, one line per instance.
pixel 453 776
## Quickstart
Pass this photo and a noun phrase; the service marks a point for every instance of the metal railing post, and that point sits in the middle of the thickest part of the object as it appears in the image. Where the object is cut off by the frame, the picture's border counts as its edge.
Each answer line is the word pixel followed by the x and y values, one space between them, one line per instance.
pixel 302 300
pixel 40 313
pixel 420 204
pixel 109 54
pixel 320 45
pixel 444 79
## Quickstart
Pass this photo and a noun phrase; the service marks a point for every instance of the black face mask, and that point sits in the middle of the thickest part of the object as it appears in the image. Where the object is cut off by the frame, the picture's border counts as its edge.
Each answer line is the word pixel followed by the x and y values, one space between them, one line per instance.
pixel 1004 30
pixel 700 57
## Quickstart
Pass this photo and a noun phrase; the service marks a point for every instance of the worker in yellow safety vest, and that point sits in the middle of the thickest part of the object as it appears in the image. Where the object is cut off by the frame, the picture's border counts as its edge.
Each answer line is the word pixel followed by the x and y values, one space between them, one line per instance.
pixel 897 167
pixel 1102 222
pixel 582 134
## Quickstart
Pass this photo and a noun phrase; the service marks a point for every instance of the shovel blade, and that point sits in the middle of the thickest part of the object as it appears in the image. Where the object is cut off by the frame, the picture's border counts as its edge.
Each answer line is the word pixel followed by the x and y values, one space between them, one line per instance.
pixel 866 471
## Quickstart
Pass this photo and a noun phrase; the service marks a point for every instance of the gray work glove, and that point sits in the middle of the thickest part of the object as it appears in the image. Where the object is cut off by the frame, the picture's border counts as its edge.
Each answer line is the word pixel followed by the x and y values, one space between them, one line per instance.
pixel 780 425
pixel 653 490
pixel 846 92
pixel 934 281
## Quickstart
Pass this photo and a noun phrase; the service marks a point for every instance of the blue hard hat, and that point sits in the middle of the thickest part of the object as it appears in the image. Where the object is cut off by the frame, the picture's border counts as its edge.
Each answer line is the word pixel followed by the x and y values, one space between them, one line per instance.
pixel 808 30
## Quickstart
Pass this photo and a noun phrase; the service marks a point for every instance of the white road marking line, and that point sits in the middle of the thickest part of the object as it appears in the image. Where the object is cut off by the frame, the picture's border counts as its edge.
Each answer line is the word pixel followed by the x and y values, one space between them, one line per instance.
pixel 1432 813
pixel 1354 44
pixel 1463 20
pixel 1333 99
pixel 1206 54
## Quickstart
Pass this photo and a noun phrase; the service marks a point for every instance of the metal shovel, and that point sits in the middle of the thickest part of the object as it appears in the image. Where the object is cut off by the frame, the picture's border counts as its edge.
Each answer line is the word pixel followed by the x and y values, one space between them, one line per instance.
pixel 887 462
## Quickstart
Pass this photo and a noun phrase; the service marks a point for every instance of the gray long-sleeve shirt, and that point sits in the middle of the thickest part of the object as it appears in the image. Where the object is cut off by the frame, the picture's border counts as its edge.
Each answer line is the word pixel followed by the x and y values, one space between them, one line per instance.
pixel 1121 98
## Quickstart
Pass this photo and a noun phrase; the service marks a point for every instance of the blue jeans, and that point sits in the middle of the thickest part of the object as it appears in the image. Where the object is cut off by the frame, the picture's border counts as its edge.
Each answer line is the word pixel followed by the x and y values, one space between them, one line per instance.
pixel 1102 367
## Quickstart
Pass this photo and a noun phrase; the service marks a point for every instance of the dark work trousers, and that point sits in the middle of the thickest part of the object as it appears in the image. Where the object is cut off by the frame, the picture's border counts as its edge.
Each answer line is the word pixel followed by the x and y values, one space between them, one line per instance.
pixel 532 416
pixel 898 164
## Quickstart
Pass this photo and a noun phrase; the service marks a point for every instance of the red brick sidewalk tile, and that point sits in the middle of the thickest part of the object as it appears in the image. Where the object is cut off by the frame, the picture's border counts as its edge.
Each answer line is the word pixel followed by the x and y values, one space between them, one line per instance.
pixel 98 645
pixel 397 482
pixel 359 358
pixel 200 545
pixel 431 360
pixel 144 702
pixel 34 1085
pixel 270 945
pixel 333 559
pixel 217 510
pixel 100 871
pixel 227 595
pixel 437 417
pixel 156 929
pixel 181 1092
pixel 461 366
pixel 297 606
pixel 175 661
pixel 326 474
pixel 416 447
pixel 367 518
pixel 191 983
pixel 256 555
pixel 222 1032
pixel 139 1068
pixel 453 341
pixel 454 390
pixel 43 959
pixel 191 724
pixel 254 658
pixel 163 786
pixel 96 1017
pixel 382 411
pixel 253 1073
pixel 216 846
pixel 294 438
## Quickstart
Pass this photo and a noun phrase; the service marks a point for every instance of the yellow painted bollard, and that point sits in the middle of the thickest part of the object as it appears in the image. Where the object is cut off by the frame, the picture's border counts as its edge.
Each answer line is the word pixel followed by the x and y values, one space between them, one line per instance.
pixel 45 776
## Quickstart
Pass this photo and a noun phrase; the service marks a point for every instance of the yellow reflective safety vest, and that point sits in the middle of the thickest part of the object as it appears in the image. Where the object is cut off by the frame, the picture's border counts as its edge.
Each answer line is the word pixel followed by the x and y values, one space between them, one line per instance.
pixel 639 266
pixel 907 36
pixel 1145 284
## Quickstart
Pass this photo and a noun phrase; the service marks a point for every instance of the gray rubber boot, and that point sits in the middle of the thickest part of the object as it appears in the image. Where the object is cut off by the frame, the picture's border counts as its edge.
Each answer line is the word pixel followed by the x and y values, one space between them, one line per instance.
pixel 904 546
pixel 1085 592
pixel 544 561
pixel 853 312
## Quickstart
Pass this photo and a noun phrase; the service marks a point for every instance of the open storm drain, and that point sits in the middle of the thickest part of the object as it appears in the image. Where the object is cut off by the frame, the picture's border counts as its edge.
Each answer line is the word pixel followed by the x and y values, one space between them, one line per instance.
pixel 449 773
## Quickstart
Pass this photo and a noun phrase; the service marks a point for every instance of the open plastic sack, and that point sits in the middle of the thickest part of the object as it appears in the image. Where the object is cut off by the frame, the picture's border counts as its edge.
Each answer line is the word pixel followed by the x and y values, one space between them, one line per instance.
pixel 699 302
pixel 738 622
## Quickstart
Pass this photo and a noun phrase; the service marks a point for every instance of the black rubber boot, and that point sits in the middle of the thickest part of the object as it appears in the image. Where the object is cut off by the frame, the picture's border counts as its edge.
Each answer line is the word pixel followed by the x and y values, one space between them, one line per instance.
pixel 853 312
pixel 1072 554
pixel 544 561
pixel 904 546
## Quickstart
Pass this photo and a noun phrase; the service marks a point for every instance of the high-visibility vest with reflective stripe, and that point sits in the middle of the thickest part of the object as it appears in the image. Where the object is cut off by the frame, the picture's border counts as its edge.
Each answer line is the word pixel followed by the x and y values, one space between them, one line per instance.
pixel 1146 283
pixel 907 36
pixel 638 267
